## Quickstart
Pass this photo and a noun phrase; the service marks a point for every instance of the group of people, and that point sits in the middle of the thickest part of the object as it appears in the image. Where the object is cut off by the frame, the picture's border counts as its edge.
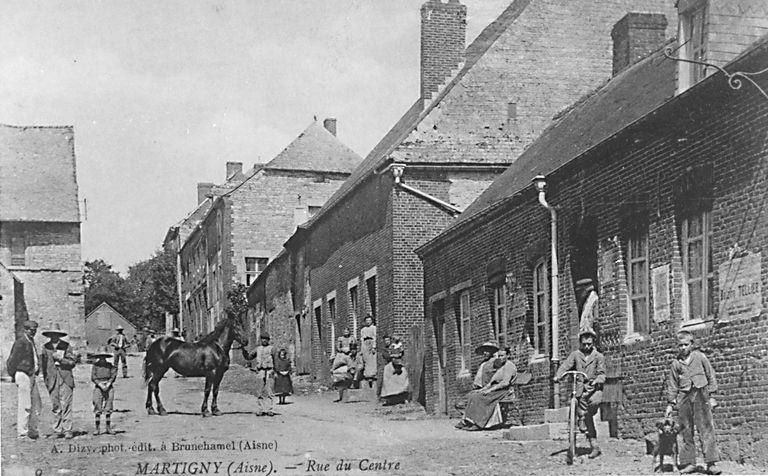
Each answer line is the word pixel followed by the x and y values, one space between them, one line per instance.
pixel 351 366
pixel 690 385
pixel 273 370
pixel 56 363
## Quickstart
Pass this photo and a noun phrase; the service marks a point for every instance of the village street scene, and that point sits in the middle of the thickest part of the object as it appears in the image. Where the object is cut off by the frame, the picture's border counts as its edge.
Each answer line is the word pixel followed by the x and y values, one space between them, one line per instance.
pixel 431 237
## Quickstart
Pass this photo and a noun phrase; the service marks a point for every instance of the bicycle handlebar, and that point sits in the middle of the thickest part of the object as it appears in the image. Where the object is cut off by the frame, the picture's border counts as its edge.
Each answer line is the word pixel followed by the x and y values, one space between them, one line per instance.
pixel 575 372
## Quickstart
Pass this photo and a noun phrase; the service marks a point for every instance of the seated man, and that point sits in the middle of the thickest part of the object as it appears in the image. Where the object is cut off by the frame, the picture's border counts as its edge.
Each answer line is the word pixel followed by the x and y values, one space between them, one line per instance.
pixel 482 405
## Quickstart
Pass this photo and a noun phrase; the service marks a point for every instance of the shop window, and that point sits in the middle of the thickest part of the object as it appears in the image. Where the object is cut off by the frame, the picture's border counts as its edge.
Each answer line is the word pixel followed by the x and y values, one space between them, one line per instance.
pixel 464 328
pixel 637 280
pixel 541 303
pixel 698 265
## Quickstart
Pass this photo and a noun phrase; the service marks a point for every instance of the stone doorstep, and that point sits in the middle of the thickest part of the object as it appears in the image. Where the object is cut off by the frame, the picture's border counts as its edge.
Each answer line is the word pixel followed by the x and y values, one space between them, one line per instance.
pixel 551 431
pixel 560 415
pixel 360 395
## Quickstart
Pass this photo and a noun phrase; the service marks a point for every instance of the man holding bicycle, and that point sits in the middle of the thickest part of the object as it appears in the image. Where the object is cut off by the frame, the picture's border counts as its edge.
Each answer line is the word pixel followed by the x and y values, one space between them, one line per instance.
pixel 590 392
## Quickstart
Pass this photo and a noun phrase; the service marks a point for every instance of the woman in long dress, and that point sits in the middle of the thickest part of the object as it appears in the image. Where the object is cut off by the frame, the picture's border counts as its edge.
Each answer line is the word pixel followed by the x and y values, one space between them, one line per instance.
pixel 395 383
pixel 283 383
pixel 368 349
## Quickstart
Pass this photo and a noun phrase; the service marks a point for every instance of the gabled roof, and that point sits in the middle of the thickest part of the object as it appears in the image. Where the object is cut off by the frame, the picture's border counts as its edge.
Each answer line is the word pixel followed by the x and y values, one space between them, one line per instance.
pixel 37 174
pixel 106 306
pixel 380 154
pixel 316 150
pixel 624 99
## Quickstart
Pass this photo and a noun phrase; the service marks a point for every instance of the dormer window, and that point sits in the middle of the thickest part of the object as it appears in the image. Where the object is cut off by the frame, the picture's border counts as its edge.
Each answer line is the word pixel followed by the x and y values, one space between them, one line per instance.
pixel 693 41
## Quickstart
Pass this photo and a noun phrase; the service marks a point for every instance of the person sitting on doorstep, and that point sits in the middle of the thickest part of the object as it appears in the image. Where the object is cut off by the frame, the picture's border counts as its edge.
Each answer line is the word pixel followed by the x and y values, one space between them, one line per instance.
pixel 482 410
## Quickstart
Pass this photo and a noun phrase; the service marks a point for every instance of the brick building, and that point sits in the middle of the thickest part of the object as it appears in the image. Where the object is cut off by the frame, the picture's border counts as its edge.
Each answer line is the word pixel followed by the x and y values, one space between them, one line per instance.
pixel 240 225
pixel 479 108
pixel 659 200
pixel 41 274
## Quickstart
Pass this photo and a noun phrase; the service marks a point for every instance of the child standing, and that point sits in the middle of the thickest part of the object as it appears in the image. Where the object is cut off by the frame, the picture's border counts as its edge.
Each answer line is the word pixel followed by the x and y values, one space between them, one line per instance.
pixel 103 375
pixel 283 384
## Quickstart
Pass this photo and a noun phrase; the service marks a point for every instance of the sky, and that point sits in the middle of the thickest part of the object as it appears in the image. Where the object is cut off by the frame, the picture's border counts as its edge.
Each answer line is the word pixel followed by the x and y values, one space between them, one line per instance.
pixel 163 94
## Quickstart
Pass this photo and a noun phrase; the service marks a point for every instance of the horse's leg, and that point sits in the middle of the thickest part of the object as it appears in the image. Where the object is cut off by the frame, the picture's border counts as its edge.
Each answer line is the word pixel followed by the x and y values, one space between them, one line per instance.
pixel 160 408
pixel 214 401
pixel 208 383
pixel 150 391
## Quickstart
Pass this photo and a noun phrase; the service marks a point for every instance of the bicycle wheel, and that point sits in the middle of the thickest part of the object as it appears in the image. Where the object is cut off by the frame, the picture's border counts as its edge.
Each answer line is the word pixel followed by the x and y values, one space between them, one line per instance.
pixel 571 432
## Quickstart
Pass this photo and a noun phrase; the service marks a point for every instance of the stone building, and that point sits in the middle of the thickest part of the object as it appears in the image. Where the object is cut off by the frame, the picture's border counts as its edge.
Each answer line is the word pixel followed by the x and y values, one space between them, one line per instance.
pixel 41 274
pixel 239 226
pixel 658 200
pixel 479 108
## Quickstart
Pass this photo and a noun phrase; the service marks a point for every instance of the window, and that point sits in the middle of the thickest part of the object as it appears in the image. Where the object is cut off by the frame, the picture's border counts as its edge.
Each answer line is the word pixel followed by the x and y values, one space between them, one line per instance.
pixel 500 313
pixel 540 307
pixel 697 266
pixel 637 279
pixel 693 34
pixel 18 251
pixel 254 267
pixel 370 283
pixel 319 320
pixel 465 316
pixel 332 320
pixel 353 301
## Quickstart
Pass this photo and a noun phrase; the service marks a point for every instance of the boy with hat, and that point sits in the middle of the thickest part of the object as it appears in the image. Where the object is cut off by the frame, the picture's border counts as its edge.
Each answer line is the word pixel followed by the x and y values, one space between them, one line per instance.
pixel 57 363
pixel 23 366
pixel 590 393
pixel 103 375
pixel 264 367
pixel 120 344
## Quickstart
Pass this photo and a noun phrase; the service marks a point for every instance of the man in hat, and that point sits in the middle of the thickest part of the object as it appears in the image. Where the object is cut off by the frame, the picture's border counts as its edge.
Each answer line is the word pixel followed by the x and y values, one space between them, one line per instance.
pixel 58 362
pixel 120 344
pixel 264 368
pixel 590 392
pixel 486 370
pixel 23 366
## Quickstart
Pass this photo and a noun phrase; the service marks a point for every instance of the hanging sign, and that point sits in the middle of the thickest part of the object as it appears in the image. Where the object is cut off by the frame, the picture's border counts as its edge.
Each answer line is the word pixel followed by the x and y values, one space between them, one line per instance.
pixel 740 287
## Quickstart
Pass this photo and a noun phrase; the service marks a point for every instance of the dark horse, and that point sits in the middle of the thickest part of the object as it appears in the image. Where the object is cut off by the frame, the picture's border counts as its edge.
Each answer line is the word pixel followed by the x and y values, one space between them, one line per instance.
pixel 209 358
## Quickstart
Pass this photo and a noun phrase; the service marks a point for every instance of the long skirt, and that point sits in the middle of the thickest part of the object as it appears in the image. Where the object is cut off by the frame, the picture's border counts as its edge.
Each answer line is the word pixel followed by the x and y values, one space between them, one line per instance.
pixel 481 408
pixel 369 358
pixel 283 384
pixel 393 383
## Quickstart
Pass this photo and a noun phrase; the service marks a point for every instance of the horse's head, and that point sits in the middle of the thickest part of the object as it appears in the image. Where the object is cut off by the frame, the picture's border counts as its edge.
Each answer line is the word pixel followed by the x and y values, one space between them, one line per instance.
pixel 238 328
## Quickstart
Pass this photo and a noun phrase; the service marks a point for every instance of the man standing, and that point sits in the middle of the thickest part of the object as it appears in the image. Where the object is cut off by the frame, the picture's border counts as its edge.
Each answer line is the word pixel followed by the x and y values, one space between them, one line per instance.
pixel 690 385
pixel 23 366
pixel 120 344
pixel 58 362
pixel 590 393
pixel 264 368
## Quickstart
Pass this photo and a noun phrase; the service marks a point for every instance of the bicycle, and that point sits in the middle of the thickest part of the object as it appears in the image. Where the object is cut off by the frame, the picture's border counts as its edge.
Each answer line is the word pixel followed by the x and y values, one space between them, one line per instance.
pixel 572 419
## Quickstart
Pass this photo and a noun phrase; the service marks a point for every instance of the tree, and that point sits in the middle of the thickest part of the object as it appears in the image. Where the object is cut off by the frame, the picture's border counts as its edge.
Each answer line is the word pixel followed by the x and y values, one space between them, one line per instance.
pixel 152 285
pixel 238 301
pixel 103 284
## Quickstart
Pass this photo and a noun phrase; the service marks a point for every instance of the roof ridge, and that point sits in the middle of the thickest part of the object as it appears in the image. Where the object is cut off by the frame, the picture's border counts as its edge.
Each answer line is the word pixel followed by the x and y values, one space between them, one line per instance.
pixel 62 126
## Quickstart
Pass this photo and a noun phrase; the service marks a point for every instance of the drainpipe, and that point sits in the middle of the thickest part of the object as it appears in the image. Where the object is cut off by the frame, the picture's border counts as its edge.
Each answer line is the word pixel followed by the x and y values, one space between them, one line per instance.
pixel 397 173
pixel 540 182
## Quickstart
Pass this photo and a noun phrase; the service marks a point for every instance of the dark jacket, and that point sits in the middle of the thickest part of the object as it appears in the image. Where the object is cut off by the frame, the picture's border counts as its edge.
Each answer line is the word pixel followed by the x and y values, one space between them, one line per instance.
pixel 64 369
pixel 22 358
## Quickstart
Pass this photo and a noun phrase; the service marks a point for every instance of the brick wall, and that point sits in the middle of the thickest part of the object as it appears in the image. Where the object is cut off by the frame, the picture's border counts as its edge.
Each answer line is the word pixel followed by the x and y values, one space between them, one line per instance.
pixel 443 37
pixel 733 26
pixel 49 245
pixel 714 125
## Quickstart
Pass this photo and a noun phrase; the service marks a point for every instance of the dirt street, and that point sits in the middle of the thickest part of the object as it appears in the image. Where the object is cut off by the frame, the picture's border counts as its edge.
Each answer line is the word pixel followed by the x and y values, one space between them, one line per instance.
pixel 311 435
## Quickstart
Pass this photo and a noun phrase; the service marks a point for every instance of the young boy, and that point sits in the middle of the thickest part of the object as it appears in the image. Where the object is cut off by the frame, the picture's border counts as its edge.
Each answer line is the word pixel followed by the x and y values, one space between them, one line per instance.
pixel 103 375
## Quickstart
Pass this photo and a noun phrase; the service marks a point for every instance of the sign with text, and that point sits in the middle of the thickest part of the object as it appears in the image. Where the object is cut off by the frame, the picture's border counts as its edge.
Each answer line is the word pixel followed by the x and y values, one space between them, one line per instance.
pixel 660 287
pixel 740 287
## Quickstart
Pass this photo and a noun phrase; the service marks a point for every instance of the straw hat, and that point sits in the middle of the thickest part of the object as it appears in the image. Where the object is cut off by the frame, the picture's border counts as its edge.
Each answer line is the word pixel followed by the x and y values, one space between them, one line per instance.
pixel 264 335
pixel 98 355
pixel 119 328
pixel 487 347
pixel 55 330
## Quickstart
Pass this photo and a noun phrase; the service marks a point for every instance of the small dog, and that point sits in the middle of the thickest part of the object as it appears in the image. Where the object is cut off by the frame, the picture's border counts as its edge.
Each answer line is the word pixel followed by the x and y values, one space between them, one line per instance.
pixel 663 443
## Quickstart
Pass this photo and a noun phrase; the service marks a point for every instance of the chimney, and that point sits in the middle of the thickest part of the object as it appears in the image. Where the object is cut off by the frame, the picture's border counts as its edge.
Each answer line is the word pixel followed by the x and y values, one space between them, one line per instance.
pixel 443 38
pixel 330 125
pixel 636 35
pixel 234 168
pixel 203 190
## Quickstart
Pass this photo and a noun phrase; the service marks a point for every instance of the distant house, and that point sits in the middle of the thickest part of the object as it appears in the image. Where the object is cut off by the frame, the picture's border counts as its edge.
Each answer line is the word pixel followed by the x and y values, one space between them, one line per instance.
pixel 239 226
pixel 42 274
pixel 100 325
